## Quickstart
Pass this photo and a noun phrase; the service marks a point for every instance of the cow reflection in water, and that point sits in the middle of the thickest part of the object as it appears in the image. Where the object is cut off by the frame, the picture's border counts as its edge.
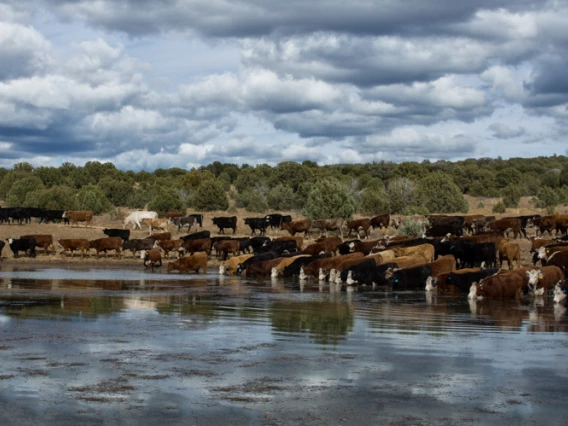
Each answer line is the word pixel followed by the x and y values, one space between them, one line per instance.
pixel 502 313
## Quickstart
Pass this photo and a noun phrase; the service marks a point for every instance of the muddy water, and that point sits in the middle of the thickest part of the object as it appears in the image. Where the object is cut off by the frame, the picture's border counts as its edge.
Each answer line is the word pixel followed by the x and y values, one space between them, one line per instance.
pixel 93 346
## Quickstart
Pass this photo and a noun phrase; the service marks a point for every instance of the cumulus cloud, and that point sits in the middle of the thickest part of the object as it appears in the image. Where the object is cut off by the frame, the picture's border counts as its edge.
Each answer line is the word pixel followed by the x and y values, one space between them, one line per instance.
pixel 502 131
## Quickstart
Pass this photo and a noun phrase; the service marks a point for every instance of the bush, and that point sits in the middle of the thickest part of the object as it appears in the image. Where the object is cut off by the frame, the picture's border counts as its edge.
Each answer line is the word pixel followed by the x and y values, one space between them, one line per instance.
pixel 412 228
pixel 116 191
pixel 374 202
pixel 20 188
pixel 328 198
pixel 480 205
pixel 546 197
pixel 54 198
pixel 138 198
pixel 210 196
pixel 511 195
pixel 252 201
pixel 440 194
pixel 282 197
pixel 402 193
pixel 499 207
pixel 90 197
pixel 166 201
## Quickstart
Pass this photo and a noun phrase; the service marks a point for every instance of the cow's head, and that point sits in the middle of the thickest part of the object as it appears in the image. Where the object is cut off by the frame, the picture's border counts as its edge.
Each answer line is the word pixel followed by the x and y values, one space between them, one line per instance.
pixel 322 276
pixel 303 275
pixel 222 269
pixel 274 272
pixel 560 291
pixel 430 285
pixel 473 291
pixel 350 280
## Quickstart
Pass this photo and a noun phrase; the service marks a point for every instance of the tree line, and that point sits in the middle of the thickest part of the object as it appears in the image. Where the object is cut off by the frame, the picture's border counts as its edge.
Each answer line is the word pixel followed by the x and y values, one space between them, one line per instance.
pixel 316 191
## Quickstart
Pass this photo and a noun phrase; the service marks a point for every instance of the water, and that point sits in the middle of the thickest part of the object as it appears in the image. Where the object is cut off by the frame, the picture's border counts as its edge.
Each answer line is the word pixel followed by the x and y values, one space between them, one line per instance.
pixel 94 346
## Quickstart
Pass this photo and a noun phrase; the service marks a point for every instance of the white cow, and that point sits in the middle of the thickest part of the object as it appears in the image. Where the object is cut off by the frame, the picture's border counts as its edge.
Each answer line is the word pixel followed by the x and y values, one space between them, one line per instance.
pixel 135 217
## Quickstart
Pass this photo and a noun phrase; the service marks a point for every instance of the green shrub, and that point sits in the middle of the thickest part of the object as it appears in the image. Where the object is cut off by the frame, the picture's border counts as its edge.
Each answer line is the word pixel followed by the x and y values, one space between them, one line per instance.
pixel 210 196
pixel 138 198
pixel 90 197
pixel 412 228
pixel 54 198
pixel 252 201
pixel 439 194
pixel 20 188
pixel 499 207
pixel 374 202
pixel 166 201
pixel 328 198
pixel 511 195
pixel 282 197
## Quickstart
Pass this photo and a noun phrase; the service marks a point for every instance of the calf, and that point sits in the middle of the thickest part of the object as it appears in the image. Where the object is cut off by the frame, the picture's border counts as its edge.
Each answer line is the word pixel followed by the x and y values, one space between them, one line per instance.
pixel 44 242
pixel 113 232
pixel 182 221
pixel 156 224
pixel 426 251
pixel 355 225
pixel 189 263
pixel 136 244
pixel 226 247
pixel 560 259
pixel 170 245
pixel 275 220
pixel 541 280
pixel 22 244
pixel 328 245
pixel 297 226
pixel 255 243
pixel 106 244
pixel 364 247
pixel 325 225
pixel 152 258
pixel 73 244
pixel 510 252
pixel 380 221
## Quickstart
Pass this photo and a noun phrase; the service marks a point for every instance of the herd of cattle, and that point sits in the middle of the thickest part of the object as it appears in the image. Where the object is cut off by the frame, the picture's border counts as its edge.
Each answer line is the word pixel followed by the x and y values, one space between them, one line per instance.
pixel 455 254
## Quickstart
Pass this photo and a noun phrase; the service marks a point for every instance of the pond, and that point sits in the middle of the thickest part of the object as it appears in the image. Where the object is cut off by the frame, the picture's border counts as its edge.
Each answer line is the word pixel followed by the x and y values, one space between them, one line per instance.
pixel 123 346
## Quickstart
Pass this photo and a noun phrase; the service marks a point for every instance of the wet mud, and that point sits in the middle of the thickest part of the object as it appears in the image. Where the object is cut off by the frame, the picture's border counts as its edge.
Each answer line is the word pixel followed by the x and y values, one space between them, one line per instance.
pixel 86 345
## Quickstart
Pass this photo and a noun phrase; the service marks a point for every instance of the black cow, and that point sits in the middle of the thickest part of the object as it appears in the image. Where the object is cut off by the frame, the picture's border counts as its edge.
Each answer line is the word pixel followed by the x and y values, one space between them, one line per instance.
pixel 135 245
pixel 410 278
pixel 463 281
pixel 279 247
pixel 276 220
pixel 470 254
pixel 345 247
pixel 196 236
pixel 198 217
pixel 255 259
pixel 2 244
pixel 182 221
pixel 22 244
pixel 293 269
pixel 438 226
pixel 366 273
pixel 114 232
pixel 226 222
pixel 255 243
pixel 53 215
pixel 20 214
pixel 256 223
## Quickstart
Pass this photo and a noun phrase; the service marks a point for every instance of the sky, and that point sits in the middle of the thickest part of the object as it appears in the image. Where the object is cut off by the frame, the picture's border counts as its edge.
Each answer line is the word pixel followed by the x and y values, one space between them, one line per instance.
pixel 149 84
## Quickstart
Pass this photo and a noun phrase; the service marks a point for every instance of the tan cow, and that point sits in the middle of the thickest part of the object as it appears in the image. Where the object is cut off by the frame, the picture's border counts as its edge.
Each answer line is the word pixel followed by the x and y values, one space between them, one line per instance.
pixel 229 267
pixel 156 224
pixel 189 263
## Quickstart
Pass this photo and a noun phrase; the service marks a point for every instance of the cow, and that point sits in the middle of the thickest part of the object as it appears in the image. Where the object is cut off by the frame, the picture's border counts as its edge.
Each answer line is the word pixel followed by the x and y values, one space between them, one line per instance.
pixel 156 224
pixel 280 247
pixel 241 267
pixel 2 244
pixel 229 267
pixel 185 264
pixel 42 241
pixel 355 225
pixel 53 215
pixel 113 232
pixel 297 226
pixel 198 217
pixel 328 245
pixel 381 221
pixel 22 244
pixel 162 236
pixel 440 225
pixel 425 251
pixel 364 247
pixel 181 221
pixel 469 222
pixel 561 292
pixel 276 220
pixel 559 258
pixel 106 244
pixel 409 261
pixel 510 252
pixel 197 236
pixel 226 247
pixel 255 243
pixel 543 279
pixel 501 285
pixel 225 222
pixel 170 215
pixel 262 269
pixel 325 225
pixel 479 224
pixel 365 273
pixel 136 245
pixel 72 244
pixel 460 281
pixel 136 217
pixel 193 246
pixel 409 278
pixel 506 225
pixel 151 258
pixel 299 240
pixel 256 223
pixel 170 245
pixel 294 269
pixel 325 264
pixel 76 216
pixel 278 270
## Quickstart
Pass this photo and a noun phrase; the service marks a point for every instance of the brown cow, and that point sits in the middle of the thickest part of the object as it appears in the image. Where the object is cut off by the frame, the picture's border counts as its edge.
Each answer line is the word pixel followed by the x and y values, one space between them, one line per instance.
pixel 380 221
pixel 503 284
pixel 559 258
pixel 169 215
pixel 426 251
pixel 279 269
pixel 409 261
pixel 354 225
pixel 162 236
pixel 365 247
pixel 170 245
pixel 325 264
pixel 43 241
pixel 152 258
pixel 189 263
pixel 297 226
pixel 299 240
pixel 328 245
pixel 325 225
pixel 105 244
pixel 263 269
pixel 510 252
pixel 541 280
pixel 192 246
pixel 229 267
pixel 76 216
pixel 441 284
pixel 72 244
pixel 443 265
pixel 505 225
pixel 226 247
